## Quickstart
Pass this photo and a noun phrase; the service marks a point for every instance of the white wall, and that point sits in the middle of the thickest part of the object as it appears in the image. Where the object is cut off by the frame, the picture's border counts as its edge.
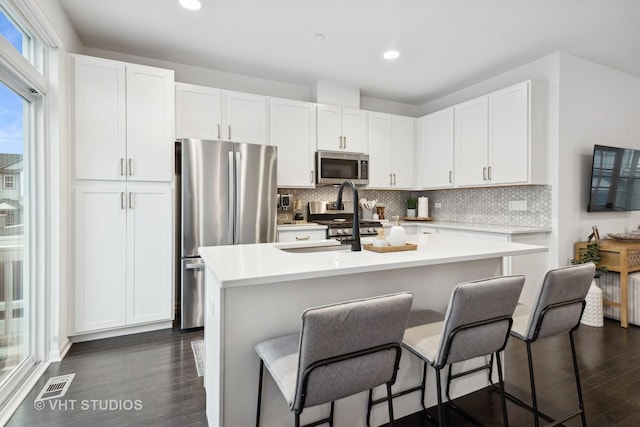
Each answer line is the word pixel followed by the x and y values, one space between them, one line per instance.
pixel 598 105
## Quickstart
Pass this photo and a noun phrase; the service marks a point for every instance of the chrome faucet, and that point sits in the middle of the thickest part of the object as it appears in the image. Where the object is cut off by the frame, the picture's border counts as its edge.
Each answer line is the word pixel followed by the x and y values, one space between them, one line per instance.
pixel 355 233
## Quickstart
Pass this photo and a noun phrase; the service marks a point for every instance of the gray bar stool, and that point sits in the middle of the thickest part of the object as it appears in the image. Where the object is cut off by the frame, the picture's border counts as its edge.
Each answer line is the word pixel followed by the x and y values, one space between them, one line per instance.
pixel 477 323
pixel 556 310
pixel 342 349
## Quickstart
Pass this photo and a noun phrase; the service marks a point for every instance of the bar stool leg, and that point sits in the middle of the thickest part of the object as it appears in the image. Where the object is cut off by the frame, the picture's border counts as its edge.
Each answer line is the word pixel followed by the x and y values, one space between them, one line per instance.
pixel 534 400
pixel 441 422
pixel 501 382
pixel 390 402
pixel 259 392
pixel 575 370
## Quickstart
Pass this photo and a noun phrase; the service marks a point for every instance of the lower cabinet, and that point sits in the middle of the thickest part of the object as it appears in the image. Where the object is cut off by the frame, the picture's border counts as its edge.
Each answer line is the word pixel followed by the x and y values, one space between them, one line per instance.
pixel 123 247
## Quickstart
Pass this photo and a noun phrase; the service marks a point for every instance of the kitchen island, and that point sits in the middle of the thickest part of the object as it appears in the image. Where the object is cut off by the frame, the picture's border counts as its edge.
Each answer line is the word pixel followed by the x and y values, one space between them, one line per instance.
pixel 256 292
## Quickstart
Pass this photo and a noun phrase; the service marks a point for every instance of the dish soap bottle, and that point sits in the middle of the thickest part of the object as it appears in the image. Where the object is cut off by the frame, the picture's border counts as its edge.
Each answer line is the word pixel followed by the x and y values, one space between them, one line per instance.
pixel 397 236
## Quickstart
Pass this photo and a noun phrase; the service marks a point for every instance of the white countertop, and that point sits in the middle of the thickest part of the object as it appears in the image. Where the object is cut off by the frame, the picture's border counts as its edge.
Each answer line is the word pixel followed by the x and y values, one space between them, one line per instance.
pixel 243 265
pixel 486 228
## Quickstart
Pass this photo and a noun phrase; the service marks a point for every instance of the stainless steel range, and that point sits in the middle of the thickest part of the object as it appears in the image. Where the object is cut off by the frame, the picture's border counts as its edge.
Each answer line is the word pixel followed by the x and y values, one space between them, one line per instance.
pixel 339 222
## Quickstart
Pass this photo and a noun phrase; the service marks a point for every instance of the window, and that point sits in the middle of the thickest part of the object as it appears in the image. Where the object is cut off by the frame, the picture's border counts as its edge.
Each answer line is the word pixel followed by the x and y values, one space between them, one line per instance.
pixel 22 144
pixel 8 182
pixel 20 39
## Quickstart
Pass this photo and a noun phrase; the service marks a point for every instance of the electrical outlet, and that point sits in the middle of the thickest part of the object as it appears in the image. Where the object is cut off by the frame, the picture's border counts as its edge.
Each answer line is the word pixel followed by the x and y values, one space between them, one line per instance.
pixel 437 205
pixel 518 205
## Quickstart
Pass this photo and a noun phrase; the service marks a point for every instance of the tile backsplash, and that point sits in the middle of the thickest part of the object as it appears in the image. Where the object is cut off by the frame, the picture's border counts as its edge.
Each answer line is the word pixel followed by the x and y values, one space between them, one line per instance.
pixel 464 205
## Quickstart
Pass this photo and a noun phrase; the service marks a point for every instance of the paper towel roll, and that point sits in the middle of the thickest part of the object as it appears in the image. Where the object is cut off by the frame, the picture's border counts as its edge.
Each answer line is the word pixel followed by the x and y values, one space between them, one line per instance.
pixel 423 207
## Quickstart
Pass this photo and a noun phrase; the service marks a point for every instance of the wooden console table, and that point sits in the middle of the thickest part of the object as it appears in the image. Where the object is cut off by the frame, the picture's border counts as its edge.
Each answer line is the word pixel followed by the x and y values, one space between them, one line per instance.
pixel 622 257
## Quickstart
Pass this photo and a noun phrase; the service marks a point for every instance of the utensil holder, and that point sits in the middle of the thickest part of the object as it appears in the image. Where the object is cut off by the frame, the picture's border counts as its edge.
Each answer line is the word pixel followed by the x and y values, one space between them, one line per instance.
pixel 367 214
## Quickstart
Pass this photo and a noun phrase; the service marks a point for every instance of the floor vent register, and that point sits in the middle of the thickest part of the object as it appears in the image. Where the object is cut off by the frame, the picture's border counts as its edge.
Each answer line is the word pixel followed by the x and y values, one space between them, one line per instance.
pixel 55 387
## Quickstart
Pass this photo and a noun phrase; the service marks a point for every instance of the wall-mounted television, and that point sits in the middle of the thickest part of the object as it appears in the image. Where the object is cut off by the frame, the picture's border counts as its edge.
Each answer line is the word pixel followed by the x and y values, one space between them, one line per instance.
pixel 615 179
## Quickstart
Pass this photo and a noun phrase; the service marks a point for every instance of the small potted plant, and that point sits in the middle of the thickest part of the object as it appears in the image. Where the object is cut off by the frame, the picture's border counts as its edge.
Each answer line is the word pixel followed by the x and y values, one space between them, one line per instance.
pixel 412 204
pixel 593 312
pixel 590 254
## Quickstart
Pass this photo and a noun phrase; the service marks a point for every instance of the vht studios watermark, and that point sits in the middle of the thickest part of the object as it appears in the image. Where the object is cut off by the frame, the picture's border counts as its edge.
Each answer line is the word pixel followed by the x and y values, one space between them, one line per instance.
pixel 88 405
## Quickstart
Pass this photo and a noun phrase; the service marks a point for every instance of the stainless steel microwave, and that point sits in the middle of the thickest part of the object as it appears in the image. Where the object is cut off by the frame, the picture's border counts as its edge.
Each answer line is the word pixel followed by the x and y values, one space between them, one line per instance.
pixel 335 167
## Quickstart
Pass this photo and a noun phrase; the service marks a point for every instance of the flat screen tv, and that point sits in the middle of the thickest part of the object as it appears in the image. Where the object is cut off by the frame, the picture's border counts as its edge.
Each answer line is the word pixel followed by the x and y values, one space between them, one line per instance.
pixel 615 179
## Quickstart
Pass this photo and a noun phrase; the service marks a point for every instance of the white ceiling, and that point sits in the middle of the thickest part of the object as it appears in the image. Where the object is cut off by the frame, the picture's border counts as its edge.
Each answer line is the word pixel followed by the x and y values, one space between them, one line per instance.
pixel 444 45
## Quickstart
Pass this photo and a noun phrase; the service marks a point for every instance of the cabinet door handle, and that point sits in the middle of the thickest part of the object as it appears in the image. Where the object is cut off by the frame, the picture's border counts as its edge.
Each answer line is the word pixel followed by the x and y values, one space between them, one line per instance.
pixel 303 237
pixel 130 200
pixel 229 127
pixel 450 177
pixel 390 179
pixel 311 176
pixel 218 130
pixel 345 142
pixel 484 174
pixel 122 204
pixel 130 166
pixel 394 179
pixel 121 166
pixel 489 173
pixel 340 138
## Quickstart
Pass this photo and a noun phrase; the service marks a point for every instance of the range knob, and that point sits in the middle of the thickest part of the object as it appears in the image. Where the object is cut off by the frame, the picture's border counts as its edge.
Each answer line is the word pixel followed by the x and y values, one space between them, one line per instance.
pixel 340 231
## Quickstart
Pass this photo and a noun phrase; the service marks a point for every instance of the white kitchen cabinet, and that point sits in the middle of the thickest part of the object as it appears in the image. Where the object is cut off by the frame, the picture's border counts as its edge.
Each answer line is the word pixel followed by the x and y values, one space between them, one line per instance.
pixel 499 138
pixel 245 118
pixel 124 257
pixel 391 143
pixel 292 128
pixel 434 150
pixel 209 113
pixel 123 120
pixel 198 112
pixel 509 135
pixel 341 129
pixel 292 234
pixel 471 142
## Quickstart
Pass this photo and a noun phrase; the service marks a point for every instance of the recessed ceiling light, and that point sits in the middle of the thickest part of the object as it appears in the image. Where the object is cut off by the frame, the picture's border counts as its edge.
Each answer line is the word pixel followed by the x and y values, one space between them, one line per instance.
pixel 391 54
pixel 191 4
pixel 318 36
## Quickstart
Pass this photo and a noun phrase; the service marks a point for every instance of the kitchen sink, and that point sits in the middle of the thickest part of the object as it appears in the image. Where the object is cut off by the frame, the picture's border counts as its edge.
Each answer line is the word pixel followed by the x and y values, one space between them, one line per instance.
pixel 311 249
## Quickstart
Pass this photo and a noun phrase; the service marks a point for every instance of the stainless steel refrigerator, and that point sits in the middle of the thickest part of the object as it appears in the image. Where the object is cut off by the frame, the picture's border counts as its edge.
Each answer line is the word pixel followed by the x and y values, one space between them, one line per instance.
pixel 227 195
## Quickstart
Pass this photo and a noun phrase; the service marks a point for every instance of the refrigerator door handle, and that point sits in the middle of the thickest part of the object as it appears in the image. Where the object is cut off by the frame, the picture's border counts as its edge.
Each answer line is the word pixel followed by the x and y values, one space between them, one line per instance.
pixel 231 199
pixel 198 266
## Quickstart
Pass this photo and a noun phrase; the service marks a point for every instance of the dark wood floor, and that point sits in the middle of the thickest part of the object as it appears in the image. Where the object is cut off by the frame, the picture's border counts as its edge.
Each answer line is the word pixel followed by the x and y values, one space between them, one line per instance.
pixel 158 369
pixel 155 368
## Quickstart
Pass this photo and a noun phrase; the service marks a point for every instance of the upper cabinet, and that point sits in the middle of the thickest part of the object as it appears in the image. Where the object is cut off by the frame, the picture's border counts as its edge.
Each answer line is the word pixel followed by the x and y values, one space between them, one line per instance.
pixel 245 118
pixel 499 138
pixel 472 142
pixel 391 153
pixel 434 150
pixel 208 113
pixel 123 120
pixel 292 128
pixel 198 112
pixel 341 129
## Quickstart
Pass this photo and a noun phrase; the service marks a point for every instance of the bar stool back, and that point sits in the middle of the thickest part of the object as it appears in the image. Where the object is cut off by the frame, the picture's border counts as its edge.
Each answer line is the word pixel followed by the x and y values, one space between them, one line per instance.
pixel 342 349
pixel 477 323
pixel 557 310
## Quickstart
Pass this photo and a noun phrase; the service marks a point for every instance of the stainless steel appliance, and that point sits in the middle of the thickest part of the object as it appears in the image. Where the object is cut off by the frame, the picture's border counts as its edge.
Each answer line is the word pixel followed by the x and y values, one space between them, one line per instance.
pixel 339 222
pixel 227 195
pixel 335 167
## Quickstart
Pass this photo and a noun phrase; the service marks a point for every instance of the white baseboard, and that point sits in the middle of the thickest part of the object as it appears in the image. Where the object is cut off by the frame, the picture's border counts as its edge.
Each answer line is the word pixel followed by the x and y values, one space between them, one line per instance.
pixel 23 391
pixel 57 355
pixel 122 331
